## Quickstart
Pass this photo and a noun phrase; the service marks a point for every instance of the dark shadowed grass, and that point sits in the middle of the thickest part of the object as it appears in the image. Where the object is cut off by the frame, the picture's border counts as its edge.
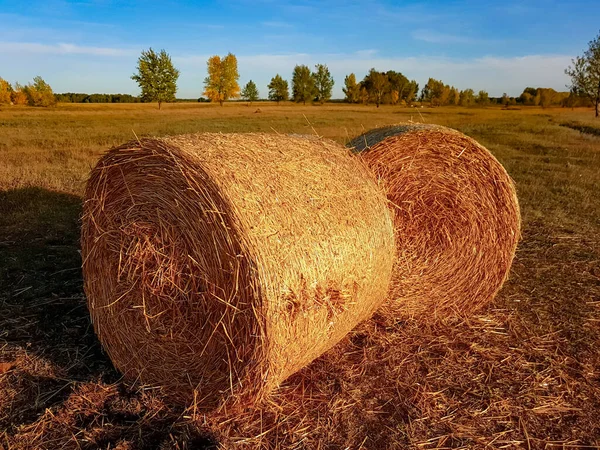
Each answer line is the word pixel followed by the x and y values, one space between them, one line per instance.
pixel 522 373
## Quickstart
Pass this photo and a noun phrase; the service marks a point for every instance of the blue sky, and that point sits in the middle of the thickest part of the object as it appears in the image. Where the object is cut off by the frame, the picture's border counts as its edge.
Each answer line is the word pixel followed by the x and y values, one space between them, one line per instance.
pixel 93 45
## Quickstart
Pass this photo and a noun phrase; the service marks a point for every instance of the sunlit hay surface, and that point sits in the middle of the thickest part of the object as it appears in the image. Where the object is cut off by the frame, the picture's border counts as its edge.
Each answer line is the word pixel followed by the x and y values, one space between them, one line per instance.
pixel 216 266
pixel 456 216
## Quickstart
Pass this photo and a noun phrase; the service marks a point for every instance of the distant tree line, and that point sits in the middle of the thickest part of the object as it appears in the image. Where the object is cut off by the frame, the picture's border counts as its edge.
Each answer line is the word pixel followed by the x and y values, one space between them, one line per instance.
pixel 73 97
pixel 307 86
pixel 381 88
pixel 157 78
pixel 36 93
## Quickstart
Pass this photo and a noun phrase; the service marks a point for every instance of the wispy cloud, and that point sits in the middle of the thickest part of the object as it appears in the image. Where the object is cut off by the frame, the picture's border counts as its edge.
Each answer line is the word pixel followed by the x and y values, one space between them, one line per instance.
pixel 416 13
pixel 435 37
pixel 63 49
pixel 368 53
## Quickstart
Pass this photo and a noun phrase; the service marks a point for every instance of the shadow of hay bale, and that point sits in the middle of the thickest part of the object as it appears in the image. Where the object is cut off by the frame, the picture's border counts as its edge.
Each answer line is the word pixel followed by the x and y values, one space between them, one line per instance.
pixel 45 329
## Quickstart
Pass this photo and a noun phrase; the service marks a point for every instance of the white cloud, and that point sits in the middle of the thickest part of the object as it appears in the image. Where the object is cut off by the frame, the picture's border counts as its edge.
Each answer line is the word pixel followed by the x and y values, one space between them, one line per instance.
pixel 62 49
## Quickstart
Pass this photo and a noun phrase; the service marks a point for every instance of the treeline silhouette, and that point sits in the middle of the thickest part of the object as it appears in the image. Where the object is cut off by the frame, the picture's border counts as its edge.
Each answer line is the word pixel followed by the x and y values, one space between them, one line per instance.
pixel 77 97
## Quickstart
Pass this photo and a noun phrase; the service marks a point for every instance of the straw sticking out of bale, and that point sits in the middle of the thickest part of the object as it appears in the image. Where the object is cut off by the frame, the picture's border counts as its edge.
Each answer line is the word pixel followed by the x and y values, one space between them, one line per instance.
pixel 222 264
pixel 456 217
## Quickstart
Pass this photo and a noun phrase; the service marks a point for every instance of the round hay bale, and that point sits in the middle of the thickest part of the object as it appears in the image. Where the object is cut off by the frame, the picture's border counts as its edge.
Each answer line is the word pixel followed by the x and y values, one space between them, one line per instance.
pixel 217 265
pixel 456 216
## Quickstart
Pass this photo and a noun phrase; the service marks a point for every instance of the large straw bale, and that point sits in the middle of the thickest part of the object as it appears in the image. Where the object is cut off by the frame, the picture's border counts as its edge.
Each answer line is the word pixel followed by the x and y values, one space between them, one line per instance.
pixel 217 265
pixel 456 217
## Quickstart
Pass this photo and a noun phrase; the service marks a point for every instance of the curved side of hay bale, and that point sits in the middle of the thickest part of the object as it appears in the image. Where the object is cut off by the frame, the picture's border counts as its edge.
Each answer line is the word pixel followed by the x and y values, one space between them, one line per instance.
pixel 222 264
pixel 456 216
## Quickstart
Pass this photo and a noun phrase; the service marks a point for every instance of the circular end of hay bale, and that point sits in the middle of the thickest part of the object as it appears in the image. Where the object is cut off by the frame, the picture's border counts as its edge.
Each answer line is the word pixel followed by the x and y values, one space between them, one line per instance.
pixel 215 266
pixel 165 267
pixel 456 217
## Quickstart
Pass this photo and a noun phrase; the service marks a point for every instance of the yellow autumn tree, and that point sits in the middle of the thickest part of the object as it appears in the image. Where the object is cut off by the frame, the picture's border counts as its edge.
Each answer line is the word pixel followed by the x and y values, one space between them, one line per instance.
pixel 221 83
pixel 18 95
pixel 5 90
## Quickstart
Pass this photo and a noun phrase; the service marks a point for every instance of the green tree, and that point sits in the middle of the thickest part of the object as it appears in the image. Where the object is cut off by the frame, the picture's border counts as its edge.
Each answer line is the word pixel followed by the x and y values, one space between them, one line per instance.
pixel 505 99
pixel 5 91
pixel 303 85
pixel 39 93
pixel 278 89
pixel 483 98
pixel 323 83
pixel 466 97
pixel 406 89
pixel 439 94
pixel 250 92
pixel 411 92
pixel 351 89
pixel 585 73
pixel 377 84
pixel 454 96
pixel 221 84
pixel 156 76
pixel 364 95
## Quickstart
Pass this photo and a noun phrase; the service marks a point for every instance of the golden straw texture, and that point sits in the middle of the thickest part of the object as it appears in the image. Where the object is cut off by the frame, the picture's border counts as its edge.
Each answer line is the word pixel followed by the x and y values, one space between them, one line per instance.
pixel 217 265
pixel 456 216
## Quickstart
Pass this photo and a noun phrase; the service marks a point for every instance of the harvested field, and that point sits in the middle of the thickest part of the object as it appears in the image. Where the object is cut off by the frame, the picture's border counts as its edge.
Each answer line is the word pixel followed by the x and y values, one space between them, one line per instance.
pixel 521 373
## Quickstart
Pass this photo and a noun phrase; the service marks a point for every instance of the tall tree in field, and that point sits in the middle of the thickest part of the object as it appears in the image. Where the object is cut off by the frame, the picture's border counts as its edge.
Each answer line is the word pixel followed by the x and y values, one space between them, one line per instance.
pixel 221 83
pixel 323 83
pixel 547 96
pixel 5 91
pixel 364 95
pixel 39 93
pixel 411 92
pixel 454 96
pixel 18 96
pixel 278 89
pixel 303 85
pixel 250 92
pixel 156 76
pixel 483 98
pixel 585 73
pixel 438 93
pixel 466 97
pixel 376 84
pixel 399 87
pixel 351 89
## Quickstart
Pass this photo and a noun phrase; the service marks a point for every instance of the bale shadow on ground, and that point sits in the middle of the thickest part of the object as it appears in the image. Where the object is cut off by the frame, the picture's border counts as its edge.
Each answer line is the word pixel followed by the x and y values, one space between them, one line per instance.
pixel 45 330
pixel 56 383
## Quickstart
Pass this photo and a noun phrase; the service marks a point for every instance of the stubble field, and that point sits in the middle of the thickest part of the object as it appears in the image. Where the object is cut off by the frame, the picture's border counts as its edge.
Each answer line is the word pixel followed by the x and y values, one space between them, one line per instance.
pixel 522 373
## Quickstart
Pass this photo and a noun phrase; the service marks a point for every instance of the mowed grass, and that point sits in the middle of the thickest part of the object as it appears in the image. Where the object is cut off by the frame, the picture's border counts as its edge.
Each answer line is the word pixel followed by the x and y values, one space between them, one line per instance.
pixel 525 372
pixel 54 148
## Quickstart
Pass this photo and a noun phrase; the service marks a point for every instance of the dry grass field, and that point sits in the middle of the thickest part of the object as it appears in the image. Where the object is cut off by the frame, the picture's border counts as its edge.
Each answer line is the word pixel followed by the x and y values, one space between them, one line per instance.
pixel 522 373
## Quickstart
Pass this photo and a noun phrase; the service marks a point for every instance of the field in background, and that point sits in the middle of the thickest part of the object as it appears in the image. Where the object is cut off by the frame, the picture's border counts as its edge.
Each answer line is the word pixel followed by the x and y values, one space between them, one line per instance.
pixel 524 372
